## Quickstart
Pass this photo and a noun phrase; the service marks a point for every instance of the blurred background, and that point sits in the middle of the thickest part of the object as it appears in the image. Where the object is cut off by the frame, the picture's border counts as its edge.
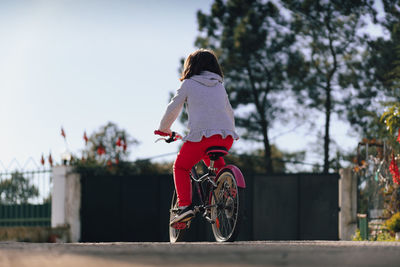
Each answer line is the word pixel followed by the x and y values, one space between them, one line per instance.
pixel 79 65
pixel 314 86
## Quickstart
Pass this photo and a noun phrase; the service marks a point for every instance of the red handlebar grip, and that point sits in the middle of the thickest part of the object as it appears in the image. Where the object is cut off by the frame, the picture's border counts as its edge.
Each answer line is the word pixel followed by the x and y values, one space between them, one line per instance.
pixel 157 132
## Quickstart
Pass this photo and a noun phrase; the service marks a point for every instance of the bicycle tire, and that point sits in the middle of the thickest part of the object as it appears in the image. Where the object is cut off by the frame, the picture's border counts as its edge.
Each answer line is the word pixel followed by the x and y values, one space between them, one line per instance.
pixel 228 211
pixel 175 235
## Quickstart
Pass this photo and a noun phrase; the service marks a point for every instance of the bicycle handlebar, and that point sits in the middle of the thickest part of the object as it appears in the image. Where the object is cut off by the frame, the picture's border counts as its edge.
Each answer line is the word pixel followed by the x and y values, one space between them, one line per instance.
pixel 172 137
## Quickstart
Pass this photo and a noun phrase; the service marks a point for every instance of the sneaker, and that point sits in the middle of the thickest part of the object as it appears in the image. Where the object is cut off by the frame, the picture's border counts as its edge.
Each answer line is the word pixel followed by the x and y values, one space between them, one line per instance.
pixel 183 215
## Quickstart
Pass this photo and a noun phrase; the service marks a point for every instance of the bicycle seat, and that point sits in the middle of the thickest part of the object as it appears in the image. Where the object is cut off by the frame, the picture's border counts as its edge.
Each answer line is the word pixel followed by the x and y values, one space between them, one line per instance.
pixel 215 152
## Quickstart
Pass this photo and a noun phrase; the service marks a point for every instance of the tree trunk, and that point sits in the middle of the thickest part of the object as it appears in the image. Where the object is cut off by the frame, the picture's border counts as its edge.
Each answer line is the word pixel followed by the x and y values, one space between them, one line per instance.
pixel 264 123
pixel 267 147
pixel 327 139
pixel 328 104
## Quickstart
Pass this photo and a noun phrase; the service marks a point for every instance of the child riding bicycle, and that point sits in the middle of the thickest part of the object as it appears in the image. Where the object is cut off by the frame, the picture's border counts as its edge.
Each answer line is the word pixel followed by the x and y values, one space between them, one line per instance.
pixel 211 122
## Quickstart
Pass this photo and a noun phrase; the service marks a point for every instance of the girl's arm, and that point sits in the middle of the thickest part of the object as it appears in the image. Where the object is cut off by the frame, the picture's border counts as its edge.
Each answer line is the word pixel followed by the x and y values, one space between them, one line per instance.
pixel 174 108
pixel 229 109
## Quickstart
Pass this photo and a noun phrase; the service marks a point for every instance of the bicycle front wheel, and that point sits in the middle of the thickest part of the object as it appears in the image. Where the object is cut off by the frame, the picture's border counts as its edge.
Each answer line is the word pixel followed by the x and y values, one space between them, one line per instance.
pixel 227 201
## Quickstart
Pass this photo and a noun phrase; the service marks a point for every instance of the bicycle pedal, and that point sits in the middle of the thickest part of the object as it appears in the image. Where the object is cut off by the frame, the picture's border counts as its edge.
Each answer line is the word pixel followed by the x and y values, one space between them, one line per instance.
pixel 205 216
pixel 209 220
pixel 196 209
pixel 180 225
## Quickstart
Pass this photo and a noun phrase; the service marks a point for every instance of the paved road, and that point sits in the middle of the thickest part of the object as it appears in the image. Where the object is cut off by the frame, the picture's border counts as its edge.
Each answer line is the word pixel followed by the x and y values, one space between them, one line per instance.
pixel 263 253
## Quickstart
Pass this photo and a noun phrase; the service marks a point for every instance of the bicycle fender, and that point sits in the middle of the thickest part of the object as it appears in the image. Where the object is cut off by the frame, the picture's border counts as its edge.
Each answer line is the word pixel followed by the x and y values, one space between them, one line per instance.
pixel 236 173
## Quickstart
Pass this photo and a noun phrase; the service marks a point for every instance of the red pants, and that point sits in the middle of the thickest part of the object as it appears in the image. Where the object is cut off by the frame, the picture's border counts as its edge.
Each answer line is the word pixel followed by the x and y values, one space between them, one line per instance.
pixel 190 154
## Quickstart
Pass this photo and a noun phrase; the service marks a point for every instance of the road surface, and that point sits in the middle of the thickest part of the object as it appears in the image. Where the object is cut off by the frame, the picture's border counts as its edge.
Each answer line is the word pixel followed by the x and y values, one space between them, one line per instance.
pixel 261 253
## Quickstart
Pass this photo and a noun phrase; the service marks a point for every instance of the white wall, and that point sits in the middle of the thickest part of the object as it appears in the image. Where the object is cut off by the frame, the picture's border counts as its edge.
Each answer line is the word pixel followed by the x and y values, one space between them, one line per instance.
pixel 348 204
pixel 66 201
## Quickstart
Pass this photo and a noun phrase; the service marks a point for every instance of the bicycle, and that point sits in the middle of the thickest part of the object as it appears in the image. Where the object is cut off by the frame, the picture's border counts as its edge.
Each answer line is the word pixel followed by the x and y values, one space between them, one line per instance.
pixel 220 196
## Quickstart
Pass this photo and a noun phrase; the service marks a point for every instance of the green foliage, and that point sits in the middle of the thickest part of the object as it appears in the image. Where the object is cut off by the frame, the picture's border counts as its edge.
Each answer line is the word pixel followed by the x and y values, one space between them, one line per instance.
pixel 312 47
pixel 123 168
pixel 253 43
pixel 108 144
pixel 391 117
pixel 107 151
pixel 382 235
pixel 381 76
pixel 393 224
pixel 17 190
pixel 331 62
pixel 357 236
pixel 253 161
pixel 391 196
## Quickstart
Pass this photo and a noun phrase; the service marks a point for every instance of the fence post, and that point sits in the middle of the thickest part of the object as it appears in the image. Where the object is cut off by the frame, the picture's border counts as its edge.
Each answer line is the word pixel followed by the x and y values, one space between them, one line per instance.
pixel 347 204
pixel 363 224
pixel 66 201
pixel 58 196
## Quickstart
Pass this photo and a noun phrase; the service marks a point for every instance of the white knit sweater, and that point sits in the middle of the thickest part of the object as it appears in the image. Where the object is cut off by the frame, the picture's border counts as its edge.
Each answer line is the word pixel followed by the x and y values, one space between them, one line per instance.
pixel 207 105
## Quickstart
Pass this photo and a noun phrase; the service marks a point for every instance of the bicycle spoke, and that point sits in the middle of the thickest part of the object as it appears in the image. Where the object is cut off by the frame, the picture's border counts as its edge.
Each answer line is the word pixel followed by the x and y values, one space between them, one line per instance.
pixel 223 228
pixel 226 211
pixel 227 226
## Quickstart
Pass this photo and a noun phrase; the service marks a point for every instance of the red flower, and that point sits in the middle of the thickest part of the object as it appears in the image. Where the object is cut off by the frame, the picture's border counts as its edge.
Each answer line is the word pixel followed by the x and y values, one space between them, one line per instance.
pixel 109 163
pixel 394 170
pixel 50 160
pixel 118 143
pixel 85 137
pixel 101 150
pixel 398 136
pixel 42 160
pixel 63 132
pixel 124 146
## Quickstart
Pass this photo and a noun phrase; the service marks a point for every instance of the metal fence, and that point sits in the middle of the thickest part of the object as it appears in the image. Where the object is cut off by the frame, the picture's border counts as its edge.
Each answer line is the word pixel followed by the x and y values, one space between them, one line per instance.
pixel 25 197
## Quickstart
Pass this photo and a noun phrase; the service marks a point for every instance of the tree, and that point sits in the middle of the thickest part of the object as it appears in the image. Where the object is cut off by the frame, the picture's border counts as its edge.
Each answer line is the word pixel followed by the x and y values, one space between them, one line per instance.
pixel 253 43
pixel 107 151
pixel 327 31
pixel 379 116
pixel 17 190
pixel 252 161
pixel 379 72
pixel 109 144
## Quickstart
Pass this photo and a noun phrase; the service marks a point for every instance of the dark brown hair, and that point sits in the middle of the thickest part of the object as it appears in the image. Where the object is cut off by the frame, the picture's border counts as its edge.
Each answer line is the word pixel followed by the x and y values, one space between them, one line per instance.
pixel 201 60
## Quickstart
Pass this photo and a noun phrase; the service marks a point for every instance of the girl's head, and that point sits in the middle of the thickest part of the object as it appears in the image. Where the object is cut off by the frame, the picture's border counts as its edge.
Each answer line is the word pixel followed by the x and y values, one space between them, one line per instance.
pixel 198 61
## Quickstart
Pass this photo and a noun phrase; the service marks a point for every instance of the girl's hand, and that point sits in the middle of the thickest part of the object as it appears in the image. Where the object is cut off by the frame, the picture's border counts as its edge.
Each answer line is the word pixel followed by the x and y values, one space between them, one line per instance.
pixel 163 133
pixel 172 137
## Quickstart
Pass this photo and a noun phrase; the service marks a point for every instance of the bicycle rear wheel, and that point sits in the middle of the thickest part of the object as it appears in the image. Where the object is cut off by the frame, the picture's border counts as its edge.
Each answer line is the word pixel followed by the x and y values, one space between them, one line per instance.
pixel 175 235
pixel 227 200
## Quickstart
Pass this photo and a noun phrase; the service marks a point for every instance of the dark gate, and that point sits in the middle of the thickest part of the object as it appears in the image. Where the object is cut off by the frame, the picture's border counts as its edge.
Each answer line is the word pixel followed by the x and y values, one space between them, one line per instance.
pixel 281 207
pixel 295 207
pixel 125 208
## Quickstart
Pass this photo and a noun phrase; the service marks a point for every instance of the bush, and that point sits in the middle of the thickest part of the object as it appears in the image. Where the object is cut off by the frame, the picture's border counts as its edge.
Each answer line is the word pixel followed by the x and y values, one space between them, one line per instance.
pixel 381 236
pixel 384 236
pixel 393 224
pixel 357 236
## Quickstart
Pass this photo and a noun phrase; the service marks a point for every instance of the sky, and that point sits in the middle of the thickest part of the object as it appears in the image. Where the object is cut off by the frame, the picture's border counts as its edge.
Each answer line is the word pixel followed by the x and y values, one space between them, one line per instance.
pixel 80 64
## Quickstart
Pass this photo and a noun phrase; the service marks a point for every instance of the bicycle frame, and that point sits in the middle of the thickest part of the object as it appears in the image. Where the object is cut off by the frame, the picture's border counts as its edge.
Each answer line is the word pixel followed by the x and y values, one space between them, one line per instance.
pixel 203 193
pixel 198 184
pixel 210 177
pixel 222 208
